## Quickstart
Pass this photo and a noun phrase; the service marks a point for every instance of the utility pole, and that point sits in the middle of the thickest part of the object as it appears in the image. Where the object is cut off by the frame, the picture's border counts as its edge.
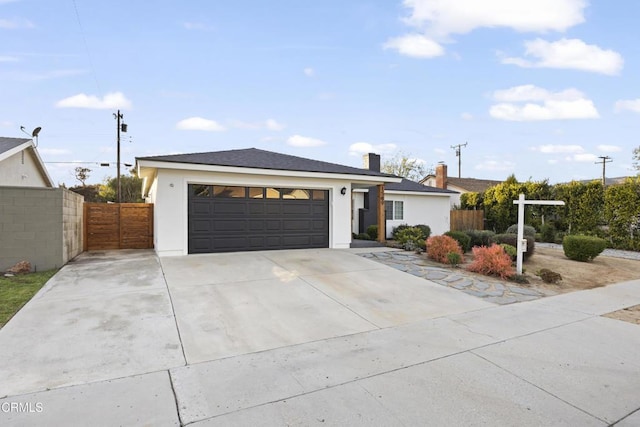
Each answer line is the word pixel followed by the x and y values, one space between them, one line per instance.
pixel 123 127
pixel 604 160
pixel 458 149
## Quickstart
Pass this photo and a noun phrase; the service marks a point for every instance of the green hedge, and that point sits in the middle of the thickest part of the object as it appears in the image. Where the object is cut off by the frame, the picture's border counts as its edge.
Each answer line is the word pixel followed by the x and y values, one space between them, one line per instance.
pixel 583 248
pixel 480 237
pixel 462 238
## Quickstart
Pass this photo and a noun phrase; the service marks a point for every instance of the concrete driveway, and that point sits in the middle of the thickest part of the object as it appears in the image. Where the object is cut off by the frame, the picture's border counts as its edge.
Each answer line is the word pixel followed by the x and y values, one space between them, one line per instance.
pixel 308 337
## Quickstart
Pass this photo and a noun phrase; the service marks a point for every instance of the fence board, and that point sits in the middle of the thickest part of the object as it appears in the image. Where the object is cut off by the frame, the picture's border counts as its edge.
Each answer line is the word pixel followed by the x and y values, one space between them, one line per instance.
pixel 118 226
pixel 466 220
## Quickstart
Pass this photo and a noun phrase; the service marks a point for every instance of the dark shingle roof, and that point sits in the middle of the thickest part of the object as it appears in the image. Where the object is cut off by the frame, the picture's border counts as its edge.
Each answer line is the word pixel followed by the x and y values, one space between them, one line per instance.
pixel 7 144
pixel 262 159
pixel 469 184
pixel 408 185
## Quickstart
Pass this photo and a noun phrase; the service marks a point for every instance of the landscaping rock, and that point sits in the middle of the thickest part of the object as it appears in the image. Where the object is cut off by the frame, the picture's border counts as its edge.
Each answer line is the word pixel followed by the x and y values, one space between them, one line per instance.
pixel 22 267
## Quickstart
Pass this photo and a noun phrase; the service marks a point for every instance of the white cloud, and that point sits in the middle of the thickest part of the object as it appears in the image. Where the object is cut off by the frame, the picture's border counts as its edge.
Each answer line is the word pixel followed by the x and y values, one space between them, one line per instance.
pixel 437 20
pixel 628 104
pixel 110 101
pixel 496 165
pixel 569 54
pixel 609 148
pixel 361 148
pixel 304 141
pixel 555 149
pixel 271 124
pixel 415 45
pixel 582 158
pixel 199 123
pixel 463 16
pixel 9 59
pixel 439 151
pixel 309 72
pixel 567 104
pixel 5 123
pixel 15 24
pixel 466 116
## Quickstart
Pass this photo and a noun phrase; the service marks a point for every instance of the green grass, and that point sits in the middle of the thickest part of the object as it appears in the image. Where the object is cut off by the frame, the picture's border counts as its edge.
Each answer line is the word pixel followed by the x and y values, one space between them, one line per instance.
pixel 16 291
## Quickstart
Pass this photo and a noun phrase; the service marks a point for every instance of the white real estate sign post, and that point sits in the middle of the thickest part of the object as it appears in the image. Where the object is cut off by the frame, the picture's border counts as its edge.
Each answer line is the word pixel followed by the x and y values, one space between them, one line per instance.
pixel 521 242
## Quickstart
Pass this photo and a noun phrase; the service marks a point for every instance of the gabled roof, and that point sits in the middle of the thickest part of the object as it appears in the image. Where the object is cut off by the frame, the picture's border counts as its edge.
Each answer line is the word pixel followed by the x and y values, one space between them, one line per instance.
pixel 11 146
pixel 262 159
pixel 412 186
pixel 468 184
pixel 8 144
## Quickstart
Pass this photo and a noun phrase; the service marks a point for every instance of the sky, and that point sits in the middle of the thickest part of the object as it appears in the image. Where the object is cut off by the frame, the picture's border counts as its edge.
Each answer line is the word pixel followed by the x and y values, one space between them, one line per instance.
pixel 539 89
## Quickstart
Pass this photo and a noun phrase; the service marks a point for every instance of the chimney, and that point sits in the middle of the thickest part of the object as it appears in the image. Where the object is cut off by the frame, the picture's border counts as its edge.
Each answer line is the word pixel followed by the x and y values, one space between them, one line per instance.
pixel 441 175
pixel 372 162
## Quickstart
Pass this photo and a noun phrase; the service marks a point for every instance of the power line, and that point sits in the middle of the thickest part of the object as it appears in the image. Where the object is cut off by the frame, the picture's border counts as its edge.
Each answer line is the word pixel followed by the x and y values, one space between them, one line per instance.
pixel 86 46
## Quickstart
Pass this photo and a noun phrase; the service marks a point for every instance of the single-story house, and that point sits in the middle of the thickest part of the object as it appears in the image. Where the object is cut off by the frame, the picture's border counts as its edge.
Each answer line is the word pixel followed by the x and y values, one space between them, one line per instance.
pixel 459 185
pixel 21 165
pixel 250 199
pixel 405 202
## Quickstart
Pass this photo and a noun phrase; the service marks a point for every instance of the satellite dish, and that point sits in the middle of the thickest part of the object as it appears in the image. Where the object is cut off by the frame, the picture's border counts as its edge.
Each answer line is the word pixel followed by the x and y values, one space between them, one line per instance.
pixel 36 131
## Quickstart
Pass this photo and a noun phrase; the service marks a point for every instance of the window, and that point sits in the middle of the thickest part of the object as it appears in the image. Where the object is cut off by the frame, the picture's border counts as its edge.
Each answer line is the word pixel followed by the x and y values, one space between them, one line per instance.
pixel 273 193
pixel 393 210
pixel 295 193
pixel 229 192
pixel 318 194
pixel 201 190
pixel 256 192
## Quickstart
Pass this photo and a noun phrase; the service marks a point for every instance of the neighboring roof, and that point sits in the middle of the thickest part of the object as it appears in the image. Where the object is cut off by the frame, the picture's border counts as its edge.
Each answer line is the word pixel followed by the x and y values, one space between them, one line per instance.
pixel 11 146
pixel 468 184
pixel 7 144
pixel 412 186
pixel 262 159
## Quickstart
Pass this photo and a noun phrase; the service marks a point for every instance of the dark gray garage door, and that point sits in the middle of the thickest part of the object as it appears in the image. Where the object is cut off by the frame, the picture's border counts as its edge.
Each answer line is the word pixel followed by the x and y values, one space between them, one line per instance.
pixel 229 218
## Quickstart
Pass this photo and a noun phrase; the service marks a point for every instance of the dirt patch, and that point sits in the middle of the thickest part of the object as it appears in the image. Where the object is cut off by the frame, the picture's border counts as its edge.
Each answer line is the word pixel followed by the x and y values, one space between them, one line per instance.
pixel 630 314
pixel 579 275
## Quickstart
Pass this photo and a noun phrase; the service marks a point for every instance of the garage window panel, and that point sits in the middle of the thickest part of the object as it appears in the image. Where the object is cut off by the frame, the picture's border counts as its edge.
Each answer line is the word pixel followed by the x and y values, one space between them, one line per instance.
pixel 201 190
pixel 229 191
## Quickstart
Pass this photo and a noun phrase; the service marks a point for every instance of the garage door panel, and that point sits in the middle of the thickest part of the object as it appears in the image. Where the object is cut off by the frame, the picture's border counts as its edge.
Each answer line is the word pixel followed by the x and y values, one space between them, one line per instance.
pixel 239 224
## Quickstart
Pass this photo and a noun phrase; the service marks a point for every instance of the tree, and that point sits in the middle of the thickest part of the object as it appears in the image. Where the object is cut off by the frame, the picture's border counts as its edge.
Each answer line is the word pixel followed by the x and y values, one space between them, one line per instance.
pixel 82 174
pixel 636 158
pixel 405 166
pixel 130 186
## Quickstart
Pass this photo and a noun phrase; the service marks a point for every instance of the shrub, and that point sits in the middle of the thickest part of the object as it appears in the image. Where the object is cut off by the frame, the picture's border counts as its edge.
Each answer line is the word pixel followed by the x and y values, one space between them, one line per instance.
pixel 512 251
pixel 363 236
pixel 462 238
pixel 528 230
pixel 519 278
pixel 583 248
pixel 411 238
pixel 549 276
pixel 398 229
pixel 491 261
pixel 372 231
pixel 454 258
pixel 480 237
pixel 426 230
pixel 548 233
pixel 512 239
pixel 439 247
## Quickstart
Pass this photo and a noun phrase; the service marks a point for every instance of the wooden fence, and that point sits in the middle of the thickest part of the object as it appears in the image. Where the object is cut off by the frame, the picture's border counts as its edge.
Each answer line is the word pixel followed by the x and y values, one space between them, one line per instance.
pixel 466 220
pixel 118 226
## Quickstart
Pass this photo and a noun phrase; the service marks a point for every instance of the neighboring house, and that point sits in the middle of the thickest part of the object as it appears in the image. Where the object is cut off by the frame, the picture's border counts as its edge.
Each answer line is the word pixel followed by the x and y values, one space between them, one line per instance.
pixel 40 224
pixel 459 185
pixel 21 165
pixel 406 202
pixel 250 199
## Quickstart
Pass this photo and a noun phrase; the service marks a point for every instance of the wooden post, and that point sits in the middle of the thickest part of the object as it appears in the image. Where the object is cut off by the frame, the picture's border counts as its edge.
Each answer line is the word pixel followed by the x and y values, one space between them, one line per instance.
pixel 382 229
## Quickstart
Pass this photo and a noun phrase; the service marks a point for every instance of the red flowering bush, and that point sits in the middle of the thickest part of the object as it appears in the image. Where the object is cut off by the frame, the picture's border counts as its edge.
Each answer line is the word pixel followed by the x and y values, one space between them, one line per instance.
pixel 491 261
pixel 439 248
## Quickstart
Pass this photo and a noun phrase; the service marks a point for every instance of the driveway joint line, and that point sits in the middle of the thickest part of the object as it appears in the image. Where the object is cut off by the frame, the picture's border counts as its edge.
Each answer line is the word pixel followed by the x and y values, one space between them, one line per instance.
pixel 537 386
pixel 624 418
pixel 173 310
pixel 175 397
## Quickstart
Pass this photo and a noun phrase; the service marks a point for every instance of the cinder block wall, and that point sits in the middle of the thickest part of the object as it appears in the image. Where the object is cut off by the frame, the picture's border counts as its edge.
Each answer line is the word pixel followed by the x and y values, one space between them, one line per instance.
pixel 39 225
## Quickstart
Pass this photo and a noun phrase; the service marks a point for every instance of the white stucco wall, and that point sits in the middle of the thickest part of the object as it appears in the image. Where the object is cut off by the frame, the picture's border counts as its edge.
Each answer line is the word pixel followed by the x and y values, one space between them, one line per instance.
pixel 432 210
pixel 169 192
pixel 20 171
pixel 455 198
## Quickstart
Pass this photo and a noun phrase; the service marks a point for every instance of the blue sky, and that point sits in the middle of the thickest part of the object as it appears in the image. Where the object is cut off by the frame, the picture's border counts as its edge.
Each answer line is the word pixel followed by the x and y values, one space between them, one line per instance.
pixel 537 88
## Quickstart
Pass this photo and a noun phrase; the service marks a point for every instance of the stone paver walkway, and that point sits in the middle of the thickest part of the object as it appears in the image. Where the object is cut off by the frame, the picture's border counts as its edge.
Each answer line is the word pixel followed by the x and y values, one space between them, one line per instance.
pixel 491 290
